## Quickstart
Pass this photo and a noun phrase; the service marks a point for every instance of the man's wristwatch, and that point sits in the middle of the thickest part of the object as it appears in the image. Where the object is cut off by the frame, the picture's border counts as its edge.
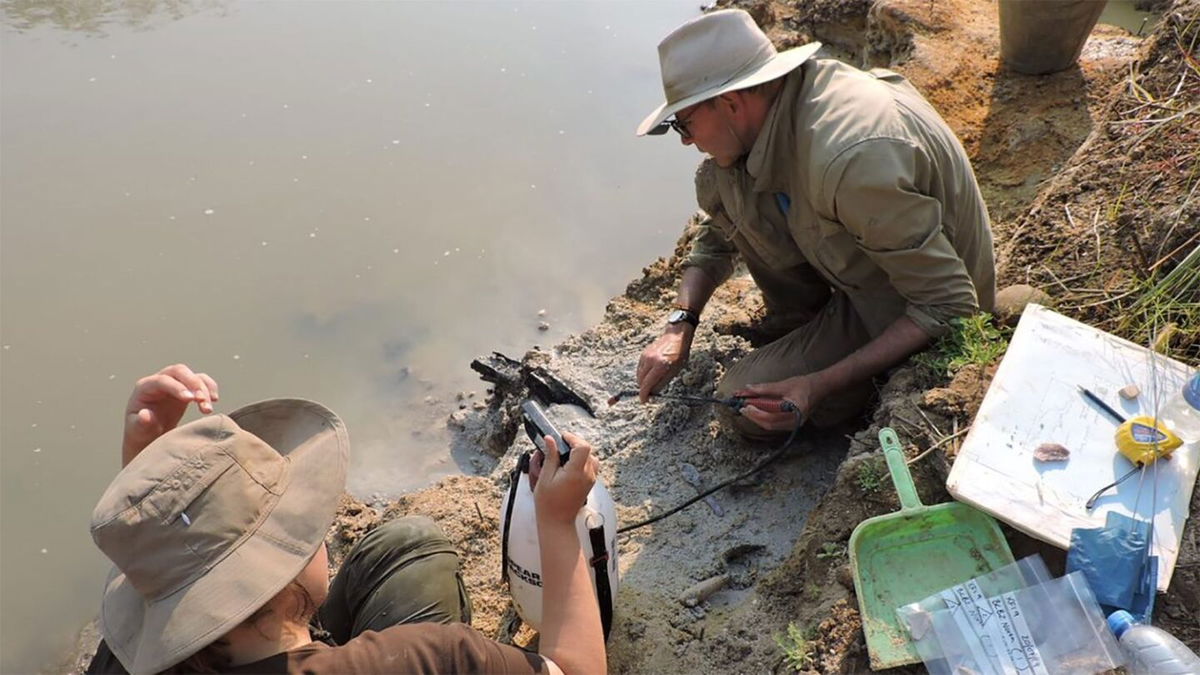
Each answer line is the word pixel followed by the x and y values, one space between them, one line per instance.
pixel 683 315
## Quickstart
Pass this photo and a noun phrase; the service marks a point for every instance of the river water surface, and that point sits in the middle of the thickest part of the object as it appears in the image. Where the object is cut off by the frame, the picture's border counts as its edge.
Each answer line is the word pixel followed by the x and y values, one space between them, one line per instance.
pixel 343 201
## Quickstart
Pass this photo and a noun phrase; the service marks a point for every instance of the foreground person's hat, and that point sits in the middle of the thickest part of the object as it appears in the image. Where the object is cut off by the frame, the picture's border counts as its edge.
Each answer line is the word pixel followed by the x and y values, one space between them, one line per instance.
pixel 211 521
pixel 715 53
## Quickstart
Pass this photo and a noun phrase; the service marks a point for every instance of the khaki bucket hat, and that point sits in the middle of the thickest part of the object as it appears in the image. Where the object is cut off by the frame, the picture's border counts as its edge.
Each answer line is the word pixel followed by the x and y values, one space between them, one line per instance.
pixel 212 520
pixel 715 53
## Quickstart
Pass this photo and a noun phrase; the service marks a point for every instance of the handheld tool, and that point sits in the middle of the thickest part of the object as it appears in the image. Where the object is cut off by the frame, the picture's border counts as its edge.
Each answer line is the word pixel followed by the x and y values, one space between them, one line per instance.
pixel 1142 440
pixel 735 403
pixel 538 427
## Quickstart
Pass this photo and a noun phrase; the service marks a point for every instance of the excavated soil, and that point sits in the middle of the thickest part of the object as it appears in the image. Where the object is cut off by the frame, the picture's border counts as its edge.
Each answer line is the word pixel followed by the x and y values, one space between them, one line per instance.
pixel 1088 190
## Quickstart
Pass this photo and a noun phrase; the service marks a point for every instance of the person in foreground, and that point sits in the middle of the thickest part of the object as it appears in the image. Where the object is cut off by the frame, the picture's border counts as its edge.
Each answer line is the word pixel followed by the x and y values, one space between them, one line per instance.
pixel 850 200
pixel 217 532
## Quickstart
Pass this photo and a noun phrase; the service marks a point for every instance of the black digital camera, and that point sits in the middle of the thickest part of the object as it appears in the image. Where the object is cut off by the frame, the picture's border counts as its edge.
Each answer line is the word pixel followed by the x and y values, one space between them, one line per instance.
pixel 538 426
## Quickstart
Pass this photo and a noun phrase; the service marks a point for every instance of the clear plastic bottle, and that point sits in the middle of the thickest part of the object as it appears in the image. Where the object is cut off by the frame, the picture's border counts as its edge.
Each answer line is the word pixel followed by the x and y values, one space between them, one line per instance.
pixel 1181 413
pixel 1151 651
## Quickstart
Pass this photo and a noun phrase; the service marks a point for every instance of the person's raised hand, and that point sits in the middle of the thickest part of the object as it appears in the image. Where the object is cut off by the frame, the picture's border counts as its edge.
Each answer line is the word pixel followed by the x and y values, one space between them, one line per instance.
pixel 763 404
pixel 158 402
pixel 663 359
pixel 562 490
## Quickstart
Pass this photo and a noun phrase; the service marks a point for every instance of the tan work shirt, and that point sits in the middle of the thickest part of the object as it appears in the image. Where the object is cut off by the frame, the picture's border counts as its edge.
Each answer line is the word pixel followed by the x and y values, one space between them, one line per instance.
pixel 855 174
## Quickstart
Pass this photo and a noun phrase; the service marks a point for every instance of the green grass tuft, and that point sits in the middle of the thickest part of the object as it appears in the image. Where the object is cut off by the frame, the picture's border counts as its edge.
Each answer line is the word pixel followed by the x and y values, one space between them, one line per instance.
pixel 973 340
pixel 870 475
pixel 797 648
pixel 831 549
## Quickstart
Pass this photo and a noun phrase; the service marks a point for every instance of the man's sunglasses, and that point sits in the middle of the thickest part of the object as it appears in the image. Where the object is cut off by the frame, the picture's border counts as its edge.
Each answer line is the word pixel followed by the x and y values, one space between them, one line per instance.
pixel 666 125
pixel 679 125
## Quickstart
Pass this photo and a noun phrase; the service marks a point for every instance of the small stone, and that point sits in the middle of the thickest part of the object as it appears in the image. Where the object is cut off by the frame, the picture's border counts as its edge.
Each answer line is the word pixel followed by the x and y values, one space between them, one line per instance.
pixel 1051 452
pixel 543 326
pixel 845 577
pixel 541 312
pixel 457 420
pixel 429 400
pixel 1012 300
pixel 1129 392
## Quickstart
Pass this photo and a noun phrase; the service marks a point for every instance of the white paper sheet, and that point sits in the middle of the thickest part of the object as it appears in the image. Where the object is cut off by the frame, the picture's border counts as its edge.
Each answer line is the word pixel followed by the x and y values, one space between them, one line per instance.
pixel 1033 400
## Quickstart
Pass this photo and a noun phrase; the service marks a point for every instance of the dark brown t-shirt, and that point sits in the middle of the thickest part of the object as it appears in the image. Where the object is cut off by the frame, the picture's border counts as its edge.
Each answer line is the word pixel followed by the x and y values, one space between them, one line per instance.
pixel 409 648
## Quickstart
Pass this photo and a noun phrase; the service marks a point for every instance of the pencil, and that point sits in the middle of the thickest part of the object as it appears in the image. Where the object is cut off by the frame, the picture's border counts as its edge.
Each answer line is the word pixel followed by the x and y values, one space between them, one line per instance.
pixel 1103 406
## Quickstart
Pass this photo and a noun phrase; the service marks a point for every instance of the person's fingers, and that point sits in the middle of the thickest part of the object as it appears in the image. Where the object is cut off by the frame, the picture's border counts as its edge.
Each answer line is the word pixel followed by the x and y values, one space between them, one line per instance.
pixel 593 468
pixel 550 464
pixel 771 421
pixel 656 376
pixel 140 419
pixel 580 451
pixel 192 381
pixel 142 423
pixel 771 405
pixel 213 390
pixel 162 385
pixel 535 468
pixel 644 374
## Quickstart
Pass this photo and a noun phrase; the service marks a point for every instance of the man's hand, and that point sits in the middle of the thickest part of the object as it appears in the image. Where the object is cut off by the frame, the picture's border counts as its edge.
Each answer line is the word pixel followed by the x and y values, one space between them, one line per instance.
pixel 562 490
pixel 803 391
pixel 663 359
pixel 158 402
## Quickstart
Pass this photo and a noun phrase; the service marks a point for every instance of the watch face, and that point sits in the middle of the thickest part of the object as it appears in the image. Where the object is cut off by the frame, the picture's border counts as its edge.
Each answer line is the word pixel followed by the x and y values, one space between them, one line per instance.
pixel 682 316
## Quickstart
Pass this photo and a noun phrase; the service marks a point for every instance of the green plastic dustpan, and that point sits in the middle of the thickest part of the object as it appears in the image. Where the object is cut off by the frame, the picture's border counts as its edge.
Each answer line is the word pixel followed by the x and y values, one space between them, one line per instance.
pixel 907 556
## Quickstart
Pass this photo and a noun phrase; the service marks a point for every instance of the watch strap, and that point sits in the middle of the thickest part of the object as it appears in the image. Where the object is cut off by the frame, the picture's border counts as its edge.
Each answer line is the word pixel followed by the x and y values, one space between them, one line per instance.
pixel 684 315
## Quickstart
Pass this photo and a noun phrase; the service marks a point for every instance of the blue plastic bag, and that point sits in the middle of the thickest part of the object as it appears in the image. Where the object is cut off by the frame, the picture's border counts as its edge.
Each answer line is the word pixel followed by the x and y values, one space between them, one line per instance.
pixel 1117 563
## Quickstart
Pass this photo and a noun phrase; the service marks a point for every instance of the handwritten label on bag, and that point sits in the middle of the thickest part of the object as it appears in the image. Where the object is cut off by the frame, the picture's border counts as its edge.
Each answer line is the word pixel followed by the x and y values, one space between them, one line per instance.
pixel 994 632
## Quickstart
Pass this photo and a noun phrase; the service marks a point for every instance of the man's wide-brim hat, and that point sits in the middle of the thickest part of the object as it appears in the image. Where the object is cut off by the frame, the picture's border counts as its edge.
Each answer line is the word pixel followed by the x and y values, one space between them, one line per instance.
pixel 716 53
pixel 211 521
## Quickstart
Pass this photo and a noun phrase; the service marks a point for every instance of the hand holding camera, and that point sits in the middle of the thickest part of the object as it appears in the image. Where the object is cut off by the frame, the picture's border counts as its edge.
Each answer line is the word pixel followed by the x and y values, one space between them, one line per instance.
pixel 563 470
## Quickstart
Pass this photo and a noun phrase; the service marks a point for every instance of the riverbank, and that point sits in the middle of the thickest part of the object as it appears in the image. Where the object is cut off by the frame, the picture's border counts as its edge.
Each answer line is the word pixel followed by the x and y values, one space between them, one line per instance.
pixel 1060 159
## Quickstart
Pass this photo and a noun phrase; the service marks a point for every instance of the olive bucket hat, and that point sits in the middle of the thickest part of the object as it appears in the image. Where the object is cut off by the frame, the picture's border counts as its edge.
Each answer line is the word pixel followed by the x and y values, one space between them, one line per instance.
pixel 212 520
pixel 715 53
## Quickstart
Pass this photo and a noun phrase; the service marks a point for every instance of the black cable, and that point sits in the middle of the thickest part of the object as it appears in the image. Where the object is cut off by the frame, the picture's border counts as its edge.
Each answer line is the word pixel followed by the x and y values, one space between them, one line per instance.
pixel 755 469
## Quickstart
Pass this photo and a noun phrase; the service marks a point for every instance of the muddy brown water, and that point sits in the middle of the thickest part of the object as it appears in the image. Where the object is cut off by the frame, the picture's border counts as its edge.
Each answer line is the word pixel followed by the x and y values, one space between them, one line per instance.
pixel 340 201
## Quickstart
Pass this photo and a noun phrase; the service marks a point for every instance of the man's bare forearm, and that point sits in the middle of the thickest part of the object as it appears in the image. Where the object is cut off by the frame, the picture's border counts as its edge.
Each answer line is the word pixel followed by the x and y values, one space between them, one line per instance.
pixel 695 289
pixel 571 634
pixel 897 342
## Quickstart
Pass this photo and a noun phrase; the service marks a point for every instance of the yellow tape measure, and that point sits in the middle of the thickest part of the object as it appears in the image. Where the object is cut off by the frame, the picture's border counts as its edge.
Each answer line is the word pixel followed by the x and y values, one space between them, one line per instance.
pixel 1143 439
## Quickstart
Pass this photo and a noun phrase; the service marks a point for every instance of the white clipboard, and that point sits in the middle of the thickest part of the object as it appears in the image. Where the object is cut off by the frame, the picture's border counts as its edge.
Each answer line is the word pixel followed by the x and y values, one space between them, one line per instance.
pixel 1034 399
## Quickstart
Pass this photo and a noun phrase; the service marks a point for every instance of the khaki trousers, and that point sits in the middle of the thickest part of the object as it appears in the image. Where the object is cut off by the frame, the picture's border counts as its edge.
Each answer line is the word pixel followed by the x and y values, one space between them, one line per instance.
pixel 833 334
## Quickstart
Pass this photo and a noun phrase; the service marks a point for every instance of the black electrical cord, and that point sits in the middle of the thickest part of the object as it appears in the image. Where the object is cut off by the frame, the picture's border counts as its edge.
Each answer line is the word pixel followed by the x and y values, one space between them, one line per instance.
pixel 753 470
